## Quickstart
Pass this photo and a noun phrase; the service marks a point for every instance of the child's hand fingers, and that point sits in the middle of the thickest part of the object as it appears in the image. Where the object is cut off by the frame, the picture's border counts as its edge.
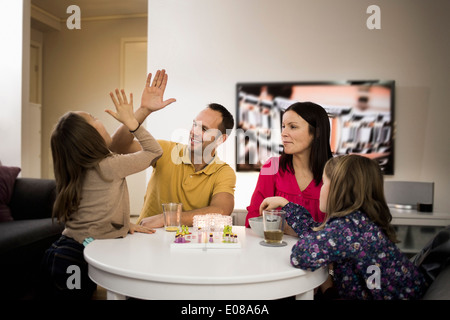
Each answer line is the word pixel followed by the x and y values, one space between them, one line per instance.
pixel 138 228
pixel 262 207
pixel 113 98
pixel 124 97
pixel 119 98
pixel 112 113
pixel 146 230
pixel 124 110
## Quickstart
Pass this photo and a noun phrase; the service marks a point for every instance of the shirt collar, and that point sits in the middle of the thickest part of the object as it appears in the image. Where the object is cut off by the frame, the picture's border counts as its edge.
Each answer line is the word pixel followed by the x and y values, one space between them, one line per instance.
pixel 185 156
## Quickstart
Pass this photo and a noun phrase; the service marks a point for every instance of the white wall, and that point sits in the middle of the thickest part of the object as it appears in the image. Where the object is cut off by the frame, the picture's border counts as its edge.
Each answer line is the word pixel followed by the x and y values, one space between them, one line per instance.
pixel 14 64
pixel 81 67
pixel 207 46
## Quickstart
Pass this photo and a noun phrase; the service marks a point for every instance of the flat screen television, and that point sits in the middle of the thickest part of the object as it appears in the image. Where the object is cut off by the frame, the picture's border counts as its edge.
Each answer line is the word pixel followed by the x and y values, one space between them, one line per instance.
pixel 361 115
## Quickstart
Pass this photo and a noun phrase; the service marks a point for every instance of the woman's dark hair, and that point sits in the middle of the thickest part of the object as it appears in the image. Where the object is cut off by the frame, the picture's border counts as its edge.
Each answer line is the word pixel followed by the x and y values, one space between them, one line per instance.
pixel 319 128
pixel 76 147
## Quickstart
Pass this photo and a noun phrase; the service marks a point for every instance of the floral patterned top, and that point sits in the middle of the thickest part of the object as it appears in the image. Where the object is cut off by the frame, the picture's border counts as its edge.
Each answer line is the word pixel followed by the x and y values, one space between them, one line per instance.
pixel 367 265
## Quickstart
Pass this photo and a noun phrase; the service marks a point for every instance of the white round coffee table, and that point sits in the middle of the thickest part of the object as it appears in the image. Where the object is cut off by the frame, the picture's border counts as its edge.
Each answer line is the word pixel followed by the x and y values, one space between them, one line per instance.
pixel 144 266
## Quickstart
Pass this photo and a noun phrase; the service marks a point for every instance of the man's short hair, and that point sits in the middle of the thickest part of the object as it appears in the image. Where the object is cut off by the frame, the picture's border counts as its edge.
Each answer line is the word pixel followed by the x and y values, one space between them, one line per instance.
pixel 227 123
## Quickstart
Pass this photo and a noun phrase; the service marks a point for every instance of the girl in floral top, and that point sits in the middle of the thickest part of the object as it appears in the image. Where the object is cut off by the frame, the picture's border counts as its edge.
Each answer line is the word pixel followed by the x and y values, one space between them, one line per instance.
pixel 356 239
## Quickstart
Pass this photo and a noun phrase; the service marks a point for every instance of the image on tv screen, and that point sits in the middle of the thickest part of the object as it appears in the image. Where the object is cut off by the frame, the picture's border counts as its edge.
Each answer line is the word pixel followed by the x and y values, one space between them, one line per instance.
pixel 361 115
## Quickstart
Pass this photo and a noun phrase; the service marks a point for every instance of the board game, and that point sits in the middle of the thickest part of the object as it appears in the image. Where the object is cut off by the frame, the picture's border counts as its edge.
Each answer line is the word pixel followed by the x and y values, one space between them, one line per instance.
pixel 198 238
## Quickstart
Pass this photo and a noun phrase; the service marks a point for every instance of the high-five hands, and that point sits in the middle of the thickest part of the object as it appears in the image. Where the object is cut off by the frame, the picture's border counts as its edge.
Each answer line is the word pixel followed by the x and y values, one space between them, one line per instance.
pixel 124 109
pixel 153 94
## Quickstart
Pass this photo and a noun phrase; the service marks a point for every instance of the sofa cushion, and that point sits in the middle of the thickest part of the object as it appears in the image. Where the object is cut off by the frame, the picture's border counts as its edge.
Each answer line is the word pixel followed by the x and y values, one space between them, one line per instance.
pixel 435 256
pixel 17 236
pixel 8 176
pixel 440 288
pixel 32 198
pixel 22 246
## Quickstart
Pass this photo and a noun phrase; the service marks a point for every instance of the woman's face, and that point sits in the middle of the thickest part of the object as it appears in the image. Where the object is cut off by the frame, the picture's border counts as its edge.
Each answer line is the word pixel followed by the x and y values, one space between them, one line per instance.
pixel 98 125
pixel 295 134
pixel 323 199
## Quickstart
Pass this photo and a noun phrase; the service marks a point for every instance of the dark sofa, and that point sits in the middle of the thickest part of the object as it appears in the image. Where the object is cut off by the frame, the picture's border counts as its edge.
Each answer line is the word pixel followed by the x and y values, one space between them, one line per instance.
pixel 434 261
pixel 24 240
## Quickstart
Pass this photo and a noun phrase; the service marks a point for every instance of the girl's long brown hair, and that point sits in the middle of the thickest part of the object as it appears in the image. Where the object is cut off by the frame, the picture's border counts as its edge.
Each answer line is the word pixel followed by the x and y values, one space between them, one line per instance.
pixel 76 147
pixel 356 183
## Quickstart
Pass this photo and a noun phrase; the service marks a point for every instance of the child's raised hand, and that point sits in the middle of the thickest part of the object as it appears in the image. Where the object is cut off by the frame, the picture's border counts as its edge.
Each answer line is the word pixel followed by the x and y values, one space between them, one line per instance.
pixel 124 110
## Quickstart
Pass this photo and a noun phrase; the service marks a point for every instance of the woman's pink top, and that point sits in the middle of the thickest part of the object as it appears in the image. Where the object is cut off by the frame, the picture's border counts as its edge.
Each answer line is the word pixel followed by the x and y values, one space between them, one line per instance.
pixel 274 182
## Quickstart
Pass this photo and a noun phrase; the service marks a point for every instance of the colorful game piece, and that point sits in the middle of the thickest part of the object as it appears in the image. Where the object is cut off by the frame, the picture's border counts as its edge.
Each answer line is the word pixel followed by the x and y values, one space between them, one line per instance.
pixel 199 238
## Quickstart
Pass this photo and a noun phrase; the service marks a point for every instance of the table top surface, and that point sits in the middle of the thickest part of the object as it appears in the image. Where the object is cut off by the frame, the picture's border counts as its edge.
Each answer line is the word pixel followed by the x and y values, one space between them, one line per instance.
pixel 150 257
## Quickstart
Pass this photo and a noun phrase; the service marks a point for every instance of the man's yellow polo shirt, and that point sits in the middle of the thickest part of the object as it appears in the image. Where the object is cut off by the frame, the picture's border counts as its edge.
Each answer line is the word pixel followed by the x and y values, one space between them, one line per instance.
pixel 174 180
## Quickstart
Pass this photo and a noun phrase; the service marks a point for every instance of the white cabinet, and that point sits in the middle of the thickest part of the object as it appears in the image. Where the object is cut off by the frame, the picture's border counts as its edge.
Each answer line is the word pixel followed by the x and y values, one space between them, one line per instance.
pixel 416 229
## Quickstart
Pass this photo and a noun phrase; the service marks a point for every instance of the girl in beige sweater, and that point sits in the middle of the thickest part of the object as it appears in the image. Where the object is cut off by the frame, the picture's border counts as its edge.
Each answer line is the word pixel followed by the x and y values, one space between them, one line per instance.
pixel 92 195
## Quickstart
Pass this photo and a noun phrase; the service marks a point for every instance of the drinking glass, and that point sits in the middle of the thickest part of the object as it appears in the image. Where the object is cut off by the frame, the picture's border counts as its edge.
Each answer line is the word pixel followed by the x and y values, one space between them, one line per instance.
pixel 172 216
pixel 273 221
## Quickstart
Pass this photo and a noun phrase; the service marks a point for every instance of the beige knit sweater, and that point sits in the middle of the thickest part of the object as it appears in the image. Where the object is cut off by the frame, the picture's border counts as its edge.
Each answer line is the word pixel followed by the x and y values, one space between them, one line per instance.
pixel 104 211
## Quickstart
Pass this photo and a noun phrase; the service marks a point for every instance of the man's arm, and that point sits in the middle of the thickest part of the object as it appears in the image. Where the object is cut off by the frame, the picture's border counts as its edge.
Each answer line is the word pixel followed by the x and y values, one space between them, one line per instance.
pixel 222 203
pixel 151 101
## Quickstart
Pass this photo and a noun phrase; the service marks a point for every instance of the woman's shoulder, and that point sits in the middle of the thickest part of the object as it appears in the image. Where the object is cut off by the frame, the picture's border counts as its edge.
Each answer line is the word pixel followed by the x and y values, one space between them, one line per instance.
pixel 271 161
pixel 271 166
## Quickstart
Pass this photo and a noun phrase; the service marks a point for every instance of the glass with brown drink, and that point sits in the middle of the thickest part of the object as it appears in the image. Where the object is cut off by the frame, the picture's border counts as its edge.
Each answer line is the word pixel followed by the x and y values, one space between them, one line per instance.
pixel 273 221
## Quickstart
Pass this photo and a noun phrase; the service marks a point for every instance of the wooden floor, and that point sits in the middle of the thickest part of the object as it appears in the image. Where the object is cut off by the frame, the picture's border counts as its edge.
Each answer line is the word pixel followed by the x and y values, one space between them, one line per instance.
pixel 99 294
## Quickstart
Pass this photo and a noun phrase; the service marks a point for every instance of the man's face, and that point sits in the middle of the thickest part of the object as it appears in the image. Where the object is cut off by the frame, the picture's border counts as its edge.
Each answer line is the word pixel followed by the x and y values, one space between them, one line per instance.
pixel 205 133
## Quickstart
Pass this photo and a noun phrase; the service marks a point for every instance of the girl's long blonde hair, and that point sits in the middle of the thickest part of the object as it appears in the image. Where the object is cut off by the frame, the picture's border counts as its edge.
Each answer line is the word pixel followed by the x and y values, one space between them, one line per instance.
pixel 356 183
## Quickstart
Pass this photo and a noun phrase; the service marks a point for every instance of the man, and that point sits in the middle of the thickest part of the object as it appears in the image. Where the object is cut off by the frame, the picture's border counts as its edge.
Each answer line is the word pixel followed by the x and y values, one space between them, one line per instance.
pixel 188 174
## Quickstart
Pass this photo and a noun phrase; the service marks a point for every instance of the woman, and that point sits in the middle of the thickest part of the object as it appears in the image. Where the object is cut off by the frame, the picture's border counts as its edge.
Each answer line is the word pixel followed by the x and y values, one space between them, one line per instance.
pixel 297 174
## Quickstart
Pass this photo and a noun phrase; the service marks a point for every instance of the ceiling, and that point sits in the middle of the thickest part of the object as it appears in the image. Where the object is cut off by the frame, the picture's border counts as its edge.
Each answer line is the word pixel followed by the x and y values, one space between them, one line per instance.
pixel 93 8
